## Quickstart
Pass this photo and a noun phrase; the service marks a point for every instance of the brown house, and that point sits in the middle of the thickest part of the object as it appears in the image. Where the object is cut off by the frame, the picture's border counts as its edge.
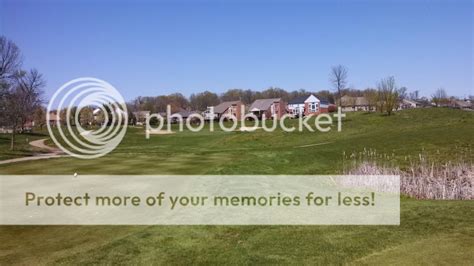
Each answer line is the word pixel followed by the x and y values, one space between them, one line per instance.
pixel 349 103
pixel 272 108
pixel 233 108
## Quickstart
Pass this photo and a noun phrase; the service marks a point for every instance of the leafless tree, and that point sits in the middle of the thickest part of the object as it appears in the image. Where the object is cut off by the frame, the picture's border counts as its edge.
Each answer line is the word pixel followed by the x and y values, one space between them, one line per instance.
pixel 372 98
pixel 339 78
pixel 202 100
pixel 20 94
pixel 440 96
pixel 10 58
pixel 39 117
pixel 22 101
pixel 389 94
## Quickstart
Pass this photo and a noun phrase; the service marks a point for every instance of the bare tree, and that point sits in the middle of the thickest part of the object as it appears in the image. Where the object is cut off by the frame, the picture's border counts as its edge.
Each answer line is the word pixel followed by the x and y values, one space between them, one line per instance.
pixel 414 95
pixel 440 96
pixel 202 100
pixel 10 62
pixel 339 78
pixel 372 98
pixel 39 117
pixel 23 99
pixel 389 94
pixel 10 58
pixel 20 94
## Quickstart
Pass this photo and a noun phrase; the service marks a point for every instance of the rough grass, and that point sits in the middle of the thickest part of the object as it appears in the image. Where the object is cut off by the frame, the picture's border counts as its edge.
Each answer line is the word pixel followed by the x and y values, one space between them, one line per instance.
pixel 439 132
pixel 22 148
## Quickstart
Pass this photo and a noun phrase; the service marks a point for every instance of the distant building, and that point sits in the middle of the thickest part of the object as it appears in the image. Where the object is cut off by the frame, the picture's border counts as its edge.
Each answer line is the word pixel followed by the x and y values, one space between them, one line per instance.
pixel 408 104
pixel 54 118
pixel 231 108
pixel 141 116
pixel 184 114
pixel 349 104
pixel 461 104
pixel 272 108
pixel 307 105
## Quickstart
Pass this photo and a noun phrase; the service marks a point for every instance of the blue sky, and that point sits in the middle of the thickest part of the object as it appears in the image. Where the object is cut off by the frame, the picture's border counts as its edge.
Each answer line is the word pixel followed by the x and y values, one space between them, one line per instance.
pixel 152 48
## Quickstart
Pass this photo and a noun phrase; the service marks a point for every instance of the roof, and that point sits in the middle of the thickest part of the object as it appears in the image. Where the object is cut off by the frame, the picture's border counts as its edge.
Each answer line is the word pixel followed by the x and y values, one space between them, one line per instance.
pixel 306 98
pixel 298 100
pixel 185 114
pixel 222 107
pixel 462 103
pixel 407 101
pixel 263 104
pixel 141 112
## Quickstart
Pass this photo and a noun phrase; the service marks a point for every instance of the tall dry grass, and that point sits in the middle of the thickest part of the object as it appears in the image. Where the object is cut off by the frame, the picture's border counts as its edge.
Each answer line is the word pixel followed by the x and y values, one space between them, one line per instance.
pixel 423 177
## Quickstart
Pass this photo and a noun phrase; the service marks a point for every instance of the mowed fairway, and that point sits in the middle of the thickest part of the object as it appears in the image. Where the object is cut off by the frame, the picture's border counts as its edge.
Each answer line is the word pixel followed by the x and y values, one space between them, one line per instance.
pixel 430 231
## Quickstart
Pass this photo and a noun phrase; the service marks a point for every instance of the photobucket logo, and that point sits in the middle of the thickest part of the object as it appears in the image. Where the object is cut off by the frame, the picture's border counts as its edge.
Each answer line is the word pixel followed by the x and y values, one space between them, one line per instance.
pixel 162 124
pixel 87 118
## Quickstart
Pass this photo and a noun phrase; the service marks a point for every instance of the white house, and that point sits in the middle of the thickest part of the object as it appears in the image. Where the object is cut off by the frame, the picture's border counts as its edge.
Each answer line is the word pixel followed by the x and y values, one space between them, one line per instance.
pixel 307 105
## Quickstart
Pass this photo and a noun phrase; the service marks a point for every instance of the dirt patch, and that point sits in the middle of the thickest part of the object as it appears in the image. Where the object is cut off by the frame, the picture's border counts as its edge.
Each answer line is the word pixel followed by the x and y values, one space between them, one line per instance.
pixel 159 132
pixel 248 129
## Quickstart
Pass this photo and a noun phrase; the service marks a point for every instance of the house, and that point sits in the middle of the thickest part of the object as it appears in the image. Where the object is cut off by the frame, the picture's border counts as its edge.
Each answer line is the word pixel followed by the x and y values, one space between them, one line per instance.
pixel 408 104
pixel 307 105
pixel 54 118
pixel 272 108
pixel 141 116
pixel 232 108
pixel 349 104
pixel 460 104
pixel 184 114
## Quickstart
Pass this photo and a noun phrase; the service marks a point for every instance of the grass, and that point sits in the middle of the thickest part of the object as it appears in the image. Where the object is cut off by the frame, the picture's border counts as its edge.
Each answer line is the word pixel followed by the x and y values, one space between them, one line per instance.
pixel 22 148
pixel 431 232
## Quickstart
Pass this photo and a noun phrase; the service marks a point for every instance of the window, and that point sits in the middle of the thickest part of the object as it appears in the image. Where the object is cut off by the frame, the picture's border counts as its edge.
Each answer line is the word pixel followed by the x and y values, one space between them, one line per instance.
pixel 313 107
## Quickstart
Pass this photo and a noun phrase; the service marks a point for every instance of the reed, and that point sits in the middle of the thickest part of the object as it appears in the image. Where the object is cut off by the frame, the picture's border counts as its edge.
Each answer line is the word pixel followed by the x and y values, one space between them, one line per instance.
pixel 423 178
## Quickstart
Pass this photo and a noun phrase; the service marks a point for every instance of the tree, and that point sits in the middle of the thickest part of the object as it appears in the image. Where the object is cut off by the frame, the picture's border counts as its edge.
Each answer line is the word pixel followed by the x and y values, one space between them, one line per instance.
pixel 402 93
pixel 201 101
pixel 39 117
pixel 389 94
pixel 440 96
pixel 339 79
pixel 178 102
pixel 275 93
pixel 10 58
pixel 10 63
pixel 20 91
pixel 325 94
pixel 86 116
pixel 372 98
pixel 23 98
pixel 414 95
pixel 232 95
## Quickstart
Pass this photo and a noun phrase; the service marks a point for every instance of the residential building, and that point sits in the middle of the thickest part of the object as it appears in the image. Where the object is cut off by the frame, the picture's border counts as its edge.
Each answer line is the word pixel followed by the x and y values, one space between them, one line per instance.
pixel 272 108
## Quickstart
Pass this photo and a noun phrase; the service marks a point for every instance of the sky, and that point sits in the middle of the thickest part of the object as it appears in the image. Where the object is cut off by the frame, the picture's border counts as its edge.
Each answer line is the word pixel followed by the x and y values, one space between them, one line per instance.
pixel 149 48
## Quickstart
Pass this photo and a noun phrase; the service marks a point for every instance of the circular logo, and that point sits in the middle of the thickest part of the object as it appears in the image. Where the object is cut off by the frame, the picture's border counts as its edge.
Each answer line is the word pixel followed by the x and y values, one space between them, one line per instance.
pixel 87 118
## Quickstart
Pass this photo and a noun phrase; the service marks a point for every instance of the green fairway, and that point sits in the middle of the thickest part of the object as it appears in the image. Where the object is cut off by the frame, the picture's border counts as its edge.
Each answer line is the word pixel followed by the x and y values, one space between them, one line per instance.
pixel 441 133
pixel 430 231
